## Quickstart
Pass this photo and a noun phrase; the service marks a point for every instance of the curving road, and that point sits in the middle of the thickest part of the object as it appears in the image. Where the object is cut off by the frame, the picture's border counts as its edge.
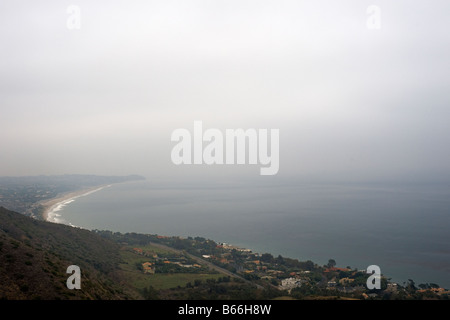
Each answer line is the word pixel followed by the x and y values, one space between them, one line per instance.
pixel 205 262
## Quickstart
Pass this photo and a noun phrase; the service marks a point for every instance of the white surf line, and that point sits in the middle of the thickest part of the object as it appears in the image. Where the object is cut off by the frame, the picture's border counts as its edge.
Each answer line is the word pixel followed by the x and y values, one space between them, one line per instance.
pixel 54 216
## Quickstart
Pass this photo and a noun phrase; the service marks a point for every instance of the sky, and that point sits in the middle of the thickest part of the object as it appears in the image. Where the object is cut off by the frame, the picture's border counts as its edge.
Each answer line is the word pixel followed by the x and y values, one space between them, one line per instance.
pixel 359 90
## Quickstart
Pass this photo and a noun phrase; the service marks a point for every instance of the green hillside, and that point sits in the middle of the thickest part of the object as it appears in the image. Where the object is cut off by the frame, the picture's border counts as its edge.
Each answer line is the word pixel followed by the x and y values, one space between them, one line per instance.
pixel 34 256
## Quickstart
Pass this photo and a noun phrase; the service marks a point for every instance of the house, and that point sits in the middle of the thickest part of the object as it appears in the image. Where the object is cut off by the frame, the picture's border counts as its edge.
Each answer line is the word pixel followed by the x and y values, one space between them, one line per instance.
pixel 148 267
pixel 434 290
pixel 392 286
pixel 344 281
pixel 331 284
pixel 290 283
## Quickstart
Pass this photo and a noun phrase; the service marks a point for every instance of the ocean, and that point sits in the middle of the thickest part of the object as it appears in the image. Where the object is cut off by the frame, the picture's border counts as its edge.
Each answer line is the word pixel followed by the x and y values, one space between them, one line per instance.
pixel 402 229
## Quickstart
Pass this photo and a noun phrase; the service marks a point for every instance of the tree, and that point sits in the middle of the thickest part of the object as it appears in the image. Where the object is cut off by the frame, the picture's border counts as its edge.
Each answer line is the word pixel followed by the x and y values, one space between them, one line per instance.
pixel 410 286
pixel 331 263
pixel 266 257
pixel 197 282
pixel 280 259
pixel 423 286
pixel 309 265
pixel 150 293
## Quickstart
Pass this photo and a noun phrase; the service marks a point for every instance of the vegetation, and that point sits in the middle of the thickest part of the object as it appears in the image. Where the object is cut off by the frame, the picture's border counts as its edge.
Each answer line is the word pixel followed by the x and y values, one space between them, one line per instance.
pixel 34 256
pixel 268 276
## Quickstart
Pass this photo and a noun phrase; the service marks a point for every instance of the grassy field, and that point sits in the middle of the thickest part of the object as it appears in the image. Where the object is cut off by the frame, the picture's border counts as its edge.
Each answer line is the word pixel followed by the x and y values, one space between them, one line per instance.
pixel 140 280
pixel 167 281
pixel 156 250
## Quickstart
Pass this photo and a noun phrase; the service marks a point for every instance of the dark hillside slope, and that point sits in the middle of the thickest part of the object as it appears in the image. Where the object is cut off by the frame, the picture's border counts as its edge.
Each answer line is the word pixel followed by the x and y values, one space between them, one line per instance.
pixel 34 256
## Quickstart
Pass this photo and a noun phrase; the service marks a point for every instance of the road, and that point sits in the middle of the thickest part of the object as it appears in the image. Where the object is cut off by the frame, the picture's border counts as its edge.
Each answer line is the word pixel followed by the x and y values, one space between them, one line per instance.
pixel 205 262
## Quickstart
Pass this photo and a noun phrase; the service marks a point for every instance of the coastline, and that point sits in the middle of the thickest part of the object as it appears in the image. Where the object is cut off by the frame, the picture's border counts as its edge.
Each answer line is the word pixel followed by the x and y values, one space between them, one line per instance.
pixel 51 205
pixel 420 271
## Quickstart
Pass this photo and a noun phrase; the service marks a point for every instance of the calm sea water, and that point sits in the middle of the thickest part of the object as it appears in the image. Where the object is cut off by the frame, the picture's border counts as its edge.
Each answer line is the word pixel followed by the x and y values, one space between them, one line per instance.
pixel 404 230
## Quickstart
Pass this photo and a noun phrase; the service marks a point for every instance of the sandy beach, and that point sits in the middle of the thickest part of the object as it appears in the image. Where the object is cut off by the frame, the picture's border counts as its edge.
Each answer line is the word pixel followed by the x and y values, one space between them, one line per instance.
pixel 51 206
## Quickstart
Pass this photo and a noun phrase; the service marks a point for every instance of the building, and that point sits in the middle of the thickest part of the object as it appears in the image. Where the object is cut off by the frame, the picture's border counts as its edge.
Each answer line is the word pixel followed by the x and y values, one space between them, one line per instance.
pixel 290 283
pixel 148 267
pixel 331 284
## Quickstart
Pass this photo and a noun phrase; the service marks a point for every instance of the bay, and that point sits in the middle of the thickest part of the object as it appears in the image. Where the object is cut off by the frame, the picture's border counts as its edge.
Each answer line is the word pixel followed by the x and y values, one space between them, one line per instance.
pixel 402 229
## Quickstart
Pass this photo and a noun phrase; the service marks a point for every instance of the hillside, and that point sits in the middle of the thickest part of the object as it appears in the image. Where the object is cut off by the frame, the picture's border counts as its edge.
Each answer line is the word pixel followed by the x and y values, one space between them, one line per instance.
pixel 34 256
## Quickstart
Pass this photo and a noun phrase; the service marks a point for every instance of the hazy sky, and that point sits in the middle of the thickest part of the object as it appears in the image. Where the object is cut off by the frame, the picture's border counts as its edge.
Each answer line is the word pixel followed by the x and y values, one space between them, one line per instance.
pixel 351 102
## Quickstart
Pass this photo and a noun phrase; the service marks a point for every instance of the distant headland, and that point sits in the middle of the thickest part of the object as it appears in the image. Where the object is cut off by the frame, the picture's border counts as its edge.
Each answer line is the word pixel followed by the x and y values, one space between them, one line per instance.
pixel 34 195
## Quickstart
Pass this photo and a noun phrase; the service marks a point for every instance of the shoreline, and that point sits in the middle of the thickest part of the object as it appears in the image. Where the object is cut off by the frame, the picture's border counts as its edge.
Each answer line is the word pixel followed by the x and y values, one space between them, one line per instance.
pixel 59 201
